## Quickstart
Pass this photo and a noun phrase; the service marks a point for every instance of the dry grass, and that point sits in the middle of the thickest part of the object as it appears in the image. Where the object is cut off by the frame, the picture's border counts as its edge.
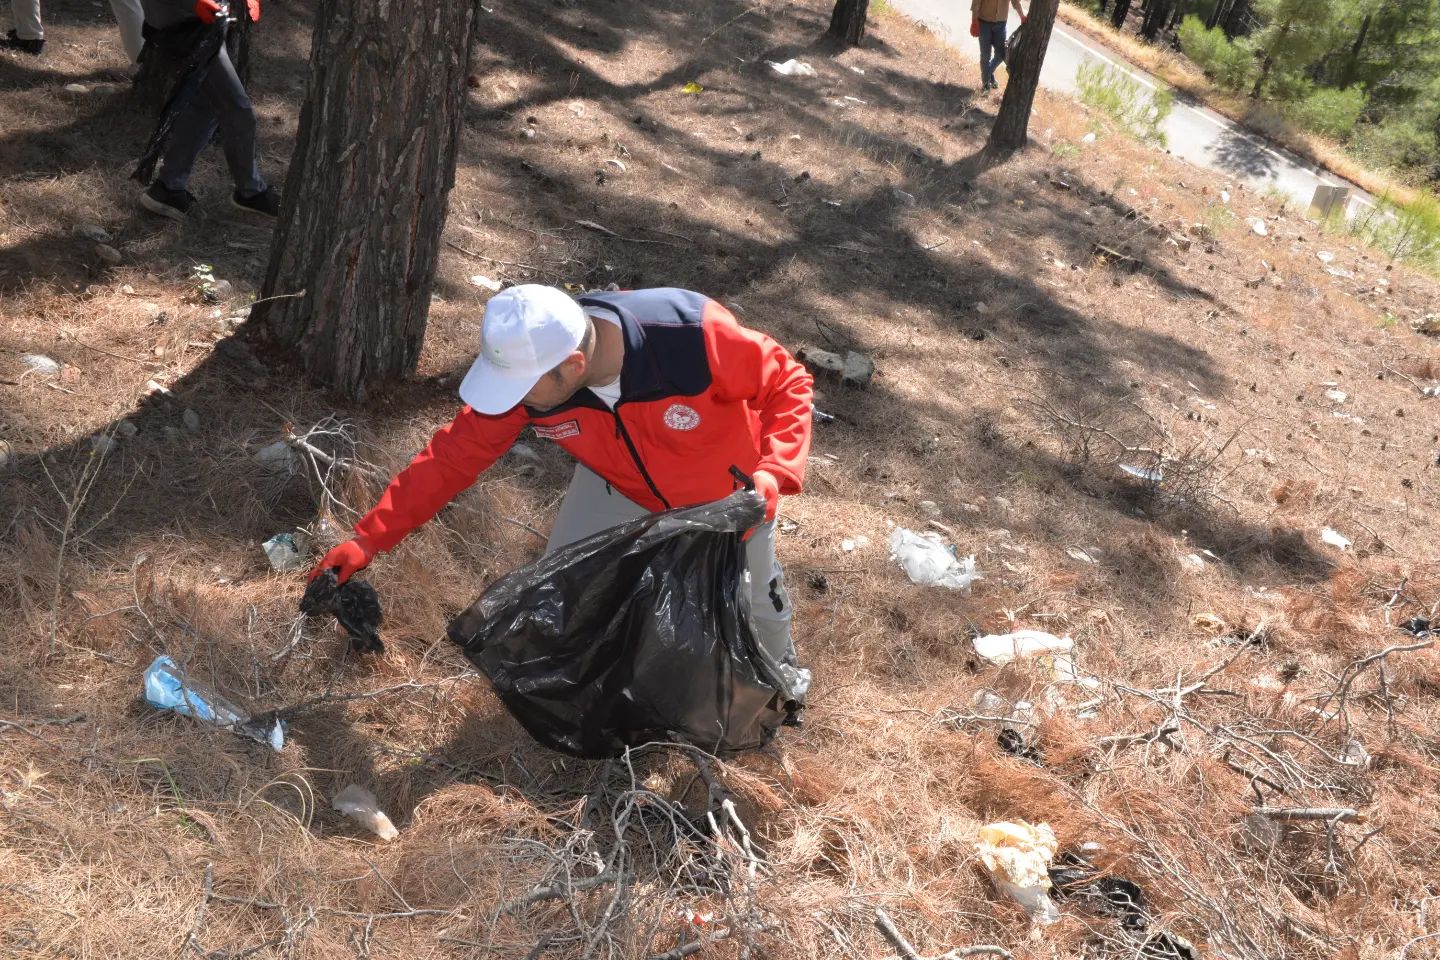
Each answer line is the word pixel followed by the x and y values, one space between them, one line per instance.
pixel 1017 374
pixel 1183 75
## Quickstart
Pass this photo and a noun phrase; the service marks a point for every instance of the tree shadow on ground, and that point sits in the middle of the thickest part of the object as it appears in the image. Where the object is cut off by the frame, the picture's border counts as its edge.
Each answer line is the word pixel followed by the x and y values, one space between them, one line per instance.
pixel 1243 155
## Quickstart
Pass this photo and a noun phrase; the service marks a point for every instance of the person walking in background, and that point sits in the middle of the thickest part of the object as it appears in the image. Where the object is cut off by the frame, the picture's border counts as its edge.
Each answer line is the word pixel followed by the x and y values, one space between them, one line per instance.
pixel 209 96
pixel 28 34
pixel 987 21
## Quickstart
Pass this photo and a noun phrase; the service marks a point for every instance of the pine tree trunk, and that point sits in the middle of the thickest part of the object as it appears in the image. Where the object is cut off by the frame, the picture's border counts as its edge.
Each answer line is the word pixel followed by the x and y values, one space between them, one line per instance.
pixel 1122 10
pixel 1268 64
pixel 1155 17
pixel 847 21
pixel 1353 64
pixel 1237 19
pixel 1012 124
pixel 366 193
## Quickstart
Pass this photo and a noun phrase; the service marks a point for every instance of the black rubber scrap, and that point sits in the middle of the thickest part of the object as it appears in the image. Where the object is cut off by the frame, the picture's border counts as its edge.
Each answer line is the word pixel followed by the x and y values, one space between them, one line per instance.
pixel 355 605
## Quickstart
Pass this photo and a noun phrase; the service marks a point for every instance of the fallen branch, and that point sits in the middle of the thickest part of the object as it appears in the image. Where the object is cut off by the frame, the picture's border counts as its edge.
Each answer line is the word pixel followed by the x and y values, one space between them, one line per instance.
pixel 560 891
pixel 690 949
pixel 602 229
pixel 907 952
pixel 24 725
pixel 305 706
pixel 1161 733
pixel 1327 814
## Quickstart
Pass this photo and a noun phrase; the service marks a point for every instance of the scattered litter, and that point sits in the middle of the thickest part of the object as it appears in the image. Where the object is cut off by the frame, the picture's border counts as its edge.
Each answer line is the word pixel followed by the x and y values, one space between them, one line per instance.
pixel 361 805
pixel 168 688
pixel 1354 754
pixel 855 369
pixel 1148 474
pixel 1335 539
pixel 153 388
pixel 480 280
pixel 127 429
pixel 577 109
pixel 831 203
pixel 286 551
pixel 792 68
pixel 1088 138
pixel 1342 274
pixel 1168 946
pixel 615 163
pixel 855 100
pixel 857 70
pixel 1418 626
pixel 1075 879
pixel 1338 396
pixel 76 88
pixel 929 562
pixel 277 457
pixel 929 507
pixel 1224 196
pixel 103 444
pixel 691 87
pixel 1430 324
pixel 41 364
pixel 1083 555
pixel 1259 227
pixel 523 451
pixel 851 545
pixel 1005 647
pixel 94 232
pixel 908 199
pixel 1013 742
pixel 1194 561
pixel 191 419
pixel 355 605
pixel 1017 856
pixel 1325 256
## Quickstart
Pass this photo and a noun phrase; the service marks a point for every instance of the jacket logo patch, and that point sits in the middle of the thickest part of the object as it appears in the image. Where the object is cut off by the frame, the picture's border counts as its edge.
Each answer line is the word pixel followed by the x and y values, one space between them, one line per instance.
pixel 680 417
pixel 558 431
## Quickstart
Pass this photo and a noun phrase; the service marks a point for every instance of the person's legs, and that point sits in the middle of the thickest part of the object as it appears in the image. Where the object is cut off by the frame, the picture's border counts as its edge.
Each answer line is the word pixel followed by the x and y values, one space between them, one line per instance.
pixel 770 604
pixel 26 14
pixel 192 130
pixel 997 44
pixel 987 76
pixel 131 18
pixel 590 506
pixel 231 107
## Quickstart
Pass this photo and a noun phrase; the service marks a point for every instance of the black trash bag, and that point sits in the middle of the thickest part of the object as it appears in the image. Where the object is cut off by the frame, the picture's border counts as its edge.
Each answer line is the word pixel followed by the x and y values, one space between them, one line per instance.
pixel 635 634
pixel 354 603
pixel 1012 46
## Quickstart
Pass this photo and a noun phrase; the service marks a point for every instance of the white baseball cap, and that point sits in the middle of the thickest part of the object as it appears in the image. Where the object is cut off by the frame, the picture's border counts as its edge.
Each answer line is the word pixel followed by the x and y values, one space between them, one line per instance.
pixel 528 330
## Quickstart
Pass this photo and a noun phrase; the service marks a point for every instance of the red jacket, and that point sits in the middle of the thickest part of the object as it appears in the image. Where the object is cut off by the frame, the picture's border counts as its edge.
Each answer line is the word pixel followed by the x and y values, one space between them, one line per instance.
pixel 698 394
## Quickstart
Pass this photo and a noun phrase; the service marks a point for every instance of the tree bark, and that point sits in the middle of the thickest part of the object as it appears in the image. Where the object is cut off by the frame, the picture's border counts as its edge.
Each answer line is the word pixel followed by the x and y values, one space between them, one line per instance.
pixel 847 21
pixel 1237 19
pixel 1352 65
pixel 1268 63
pixel 1122 10
pixel 1155 16
pixel 355 250
pixel 1012 124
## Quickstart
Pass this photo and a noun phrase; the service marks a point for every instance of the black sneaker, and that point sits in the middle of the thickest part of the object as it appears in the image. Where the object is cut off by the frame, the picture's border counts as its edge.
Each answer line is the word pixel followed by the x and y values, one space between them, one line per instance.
pixel 13 41
pixel 160 199
pixel 266 202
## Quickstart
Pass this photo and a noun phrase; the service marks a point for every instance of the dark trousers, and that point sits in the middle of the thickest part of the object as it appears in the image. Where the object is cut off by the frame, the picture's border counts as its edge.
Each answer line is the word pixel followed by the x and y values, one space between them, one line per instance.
pixel 220 102
pixel 992 49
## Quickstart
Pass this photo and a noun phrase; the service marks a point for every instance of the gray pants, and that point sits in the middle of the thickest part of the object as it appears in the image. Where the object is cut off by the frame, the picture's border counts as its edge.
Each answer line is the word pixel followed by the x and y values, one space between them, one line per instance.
pixel 131 18
pixel 591 506
pixel 221 102
pixel 26 14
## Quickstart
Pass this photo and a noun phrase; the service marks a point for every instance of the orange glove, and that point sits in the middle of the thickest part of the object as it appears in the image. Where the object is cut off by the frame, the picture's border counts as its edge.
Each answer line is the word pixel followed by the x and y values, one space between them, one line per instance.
pixel 208 10
pixel 975 28
pixel 769 488
pixel 349 558
pixel 253 6
pixel 1023 18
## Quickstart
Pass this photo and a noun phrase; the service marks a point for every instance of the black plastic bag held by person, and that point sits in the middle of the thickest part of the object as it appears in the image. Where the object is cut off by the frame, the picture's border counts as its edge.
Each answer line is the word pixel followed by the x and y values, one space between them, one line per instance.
pixel 635 634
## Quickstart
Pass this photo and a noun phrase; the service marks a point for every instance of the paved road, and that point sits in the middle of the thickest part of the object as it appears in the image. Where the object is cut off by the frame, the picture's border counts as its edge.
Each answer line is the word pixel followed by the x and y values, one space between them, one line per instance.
pixel 1193 133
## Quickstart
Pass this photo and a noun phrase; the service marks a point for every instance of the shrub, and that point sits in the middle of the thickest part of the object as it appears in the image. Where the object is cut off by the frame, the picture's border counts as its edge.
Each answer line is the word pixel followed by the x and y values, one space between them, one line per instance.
pixel 1227 63
pixel 1134 109
pixel 1329 112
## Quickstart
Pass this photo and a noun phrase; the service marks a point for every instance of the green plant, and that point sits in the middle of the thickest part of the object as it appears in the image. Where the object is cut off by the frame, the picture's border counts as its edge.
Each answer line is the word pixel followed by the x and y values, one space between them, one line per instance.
pixel 1329 112
pixel 1225 62
pixel 1065 149
pixel 1408 231
pixel 1124 100
pixel 1219 218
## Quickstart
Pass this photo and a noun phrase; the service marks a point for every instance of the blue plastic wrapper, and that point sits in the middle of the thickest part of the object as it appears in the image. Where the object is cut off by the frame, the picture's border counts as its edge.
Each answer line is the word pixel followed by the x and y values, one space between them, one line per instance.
pixel 168 688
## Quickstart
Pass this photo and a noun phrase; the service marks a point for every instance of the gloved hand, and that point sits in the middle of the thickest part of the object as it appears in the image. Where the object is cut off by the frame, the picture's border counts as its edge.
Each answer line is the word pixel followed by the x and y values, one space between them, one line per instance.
pixel 208 10
pixel 253 6
pixel 769 488
pixel 349 558
pixel 1023 18
pixel 975 27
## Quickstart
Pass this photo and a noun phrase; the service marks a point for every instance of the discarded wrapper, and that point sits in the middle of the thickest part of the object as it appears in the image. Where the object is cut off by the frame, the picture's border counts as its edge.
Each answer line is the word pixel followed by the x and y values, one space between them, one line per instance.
pixel 1017 856
pixel 929 562
pixel 360 805
pixel 167 687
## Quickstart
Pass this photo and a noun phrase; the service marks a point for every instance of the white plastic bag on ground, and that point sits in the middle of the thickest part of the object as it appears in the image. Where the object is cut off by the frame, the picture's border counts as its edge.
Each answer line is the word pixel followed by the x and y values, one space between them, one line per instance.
pixel 360 805
pixel 1004 647
pixel 929 562
pixel 792 68
pixel 1017 856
